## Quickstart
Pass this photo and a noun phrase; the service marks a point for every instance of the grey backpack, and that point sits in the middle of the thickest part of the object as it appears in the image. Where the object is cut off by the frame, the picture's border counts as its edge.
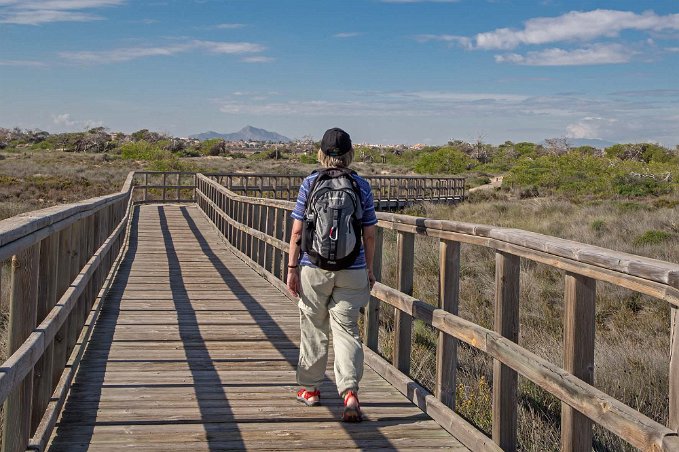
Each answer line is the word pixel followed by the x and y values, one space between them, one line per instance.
pixel 331 235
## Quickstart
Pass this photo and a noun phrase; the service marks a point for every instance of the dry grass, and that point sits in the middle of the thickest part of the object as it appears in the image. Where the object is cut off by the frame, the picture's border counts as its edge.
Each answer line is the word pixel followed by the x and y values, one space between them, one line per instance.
pixel 632 342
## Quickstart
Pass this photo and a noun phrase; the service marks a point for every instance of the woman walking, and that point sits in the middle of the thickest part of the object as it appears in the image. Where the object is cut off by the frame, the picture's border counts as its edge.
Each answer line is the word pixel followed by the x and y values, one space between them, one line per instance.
pixel 330 270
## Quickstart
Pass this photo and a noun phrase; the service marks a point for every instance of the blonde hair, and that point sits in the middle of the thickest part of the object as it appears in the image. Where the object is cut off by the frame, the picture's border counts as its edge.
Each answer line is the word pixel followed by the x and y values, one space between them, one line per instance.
pixel 342 161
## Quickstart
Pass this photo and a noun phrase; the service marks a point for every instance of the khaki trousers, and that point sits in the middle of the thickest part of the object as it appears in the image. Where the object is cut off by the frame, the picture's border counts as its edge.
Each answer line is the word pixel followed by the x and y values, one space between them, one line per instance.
pixel 331 301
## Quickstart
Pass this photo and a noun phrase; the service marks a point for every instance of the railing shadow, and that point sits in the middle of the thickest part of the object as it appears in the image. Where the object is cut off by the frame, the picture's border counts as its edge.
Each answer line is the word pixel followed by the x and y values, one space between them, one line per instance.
pixel 82 405
pixel 213 404
pixel 283 343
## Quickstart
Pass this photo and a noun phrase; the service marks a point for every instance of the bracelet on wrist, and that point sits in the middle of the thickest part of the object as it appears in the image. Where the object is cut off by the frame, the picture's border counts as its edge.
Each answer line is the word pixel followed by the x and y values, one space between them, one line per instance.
pixel 293 266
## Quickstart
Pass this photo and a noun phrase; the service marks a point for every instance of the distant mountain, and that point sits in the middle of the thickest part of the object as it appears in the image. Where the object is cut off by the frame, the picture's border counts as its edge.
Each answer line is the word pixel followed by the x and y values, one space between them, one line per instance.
pixel 595 143
pixel 247 133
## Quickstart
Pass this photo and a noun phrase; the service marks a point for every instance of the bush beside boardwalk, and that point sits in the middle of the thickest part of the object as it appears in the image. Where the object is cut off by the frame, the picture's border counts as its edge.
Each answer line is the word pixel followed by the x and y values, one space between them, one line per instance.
pixel 623 200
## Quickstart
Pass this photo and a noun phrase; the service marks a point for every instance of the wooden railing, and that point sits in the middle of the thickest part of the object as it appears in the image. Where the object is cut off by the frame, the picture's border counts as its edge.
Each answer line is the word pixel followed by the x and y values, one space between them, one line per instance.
pixel 58 259
pixel 390 192
pixel 258 230
pixel 159 186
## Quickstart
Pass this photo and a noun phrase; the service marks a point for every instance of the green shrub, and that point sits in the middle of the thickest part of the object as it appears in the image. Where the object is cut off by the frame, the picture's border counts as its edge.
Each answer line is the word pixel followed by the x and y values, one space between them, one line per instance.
pixel 308 159
pixel 664 203
pixel 598 225
pixel 171 163
pixel 575 174
pixel 629 185
pixel 630 206
pixel 652 237
pixel 443 161
pixel 143 150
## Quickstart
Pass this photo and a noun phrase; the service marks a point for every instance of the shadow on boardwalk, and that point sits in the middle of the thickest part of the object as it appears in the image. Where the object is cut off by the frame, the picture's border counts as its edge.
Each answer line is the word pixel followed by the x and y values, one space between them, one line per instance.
pixel 103 401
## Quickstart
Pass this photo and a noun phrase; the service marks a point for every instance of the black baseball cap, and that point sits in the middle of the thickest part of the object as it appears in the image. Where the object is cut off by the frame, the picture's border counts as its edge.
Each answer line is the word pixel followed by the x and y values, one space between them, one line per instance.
pixel 335 142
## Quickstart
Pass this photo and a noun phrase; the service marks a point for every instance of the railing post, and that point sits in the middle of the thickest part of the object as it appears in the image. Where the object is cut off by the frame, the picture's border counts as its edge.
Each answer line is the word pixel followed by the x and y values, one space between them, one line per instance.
pixel 241 221
pixel 578 356
pixel 63 281
pixel 284 260
pixel 278 254
pixel 22 317
pixel 230 213
pixel 405 242
pixel 47 298
pixel 674 370
pixel 449 295
pixel 268 249
pixel 179 182
pixel 74 265
pixel 507 273
pixel 372 311
pixel 164 186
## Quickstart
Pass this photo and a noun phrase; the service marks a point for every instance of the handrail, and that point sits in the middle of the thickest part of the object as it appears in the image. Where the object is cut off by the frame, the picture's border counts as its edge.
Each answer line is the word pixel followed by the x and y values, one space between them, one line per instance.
pixel 61 257
pixel 259 229
pixel 389 192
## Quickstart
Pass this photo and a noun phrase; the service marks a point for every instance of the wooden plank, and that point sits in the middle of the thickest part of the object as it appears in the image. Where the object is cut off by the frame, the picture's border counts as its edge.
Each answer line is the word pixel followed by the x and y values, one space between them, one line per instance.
pixel 405 243
pixel 139 388
pixel 22 320
pixel 449 294
pixel 372 311
pixel 579 321
pixel 507 272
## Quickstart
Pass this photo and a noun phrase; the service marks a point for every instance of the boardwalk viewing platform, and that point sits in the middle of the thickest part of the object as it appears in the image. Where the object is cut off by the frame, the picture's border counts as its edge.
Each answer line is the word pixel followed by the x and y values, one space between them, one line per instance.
pixel 156 318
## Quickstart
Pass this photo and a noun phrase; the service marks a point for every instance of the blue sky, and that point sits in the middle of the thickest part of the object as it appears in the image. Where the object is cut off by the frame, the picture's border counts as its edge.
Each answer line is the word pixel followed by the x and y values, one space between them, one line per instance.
pixel 388 71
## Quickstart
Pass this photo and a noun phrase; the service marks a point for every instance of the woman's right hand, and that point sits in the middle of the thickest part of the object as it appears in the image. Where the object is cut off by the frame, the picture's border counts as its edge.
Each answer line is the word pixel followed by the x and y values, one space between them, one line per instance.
pixel 293 282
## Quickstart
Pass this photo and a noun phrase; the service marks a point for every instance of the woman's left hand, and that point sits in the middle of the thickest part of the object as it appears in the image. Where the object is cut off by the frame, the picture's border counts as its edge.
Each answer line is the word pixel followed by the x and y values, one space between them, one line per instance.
pixel 293 282
pixel 371 279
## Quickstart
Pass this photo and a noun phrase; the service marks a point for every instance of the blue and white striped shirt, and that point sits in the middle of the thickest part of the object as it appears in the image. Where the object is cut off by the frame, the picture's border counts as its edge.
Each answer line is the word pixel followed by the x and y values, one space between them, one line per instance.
pixel 369 217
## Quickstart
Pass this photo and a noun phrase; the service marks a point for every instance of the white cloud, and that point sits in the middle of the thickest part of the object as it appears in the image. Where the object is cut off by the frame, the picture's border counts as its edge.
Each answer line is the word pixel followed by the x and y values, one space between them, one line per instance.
pixel 462 41
pixel 575 26
pixel 258 59
pixel 591 55
pixel 133 53
pixel 229 26
pixel 349 34
pixel 25 63
pixel 572 27
pixel 65 120
pixel 36 12
pixel 590 128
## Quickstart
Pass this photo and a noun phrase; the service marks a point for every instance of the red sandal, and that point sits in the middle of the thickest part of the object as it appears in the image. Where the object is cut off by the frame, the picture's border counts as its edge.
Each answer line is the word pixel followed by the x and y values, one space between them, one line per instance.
pixel 303 396
pixel 351 414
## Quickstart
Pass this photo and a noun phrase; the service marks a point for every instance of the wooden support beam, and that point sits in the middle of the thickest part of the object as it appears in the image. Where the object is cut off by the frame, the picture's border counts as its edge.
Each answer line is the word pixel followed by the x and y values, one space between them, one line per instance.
pixel 403 322
pixel 47 298
pixel 507 272
pixel 74 269
pixel 63 281
pixel 372 311
pixel 449 296
pixel 22 319
pixel 278 254
pixel 578 356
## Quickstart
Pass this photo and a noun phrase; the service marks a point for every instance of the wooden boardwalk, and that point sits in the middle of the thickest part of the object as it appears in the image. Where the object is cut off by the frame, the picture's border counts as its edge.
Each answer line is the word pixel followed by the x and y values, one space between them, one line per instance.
pixel 194 350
